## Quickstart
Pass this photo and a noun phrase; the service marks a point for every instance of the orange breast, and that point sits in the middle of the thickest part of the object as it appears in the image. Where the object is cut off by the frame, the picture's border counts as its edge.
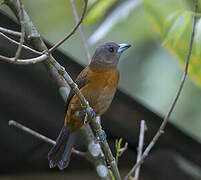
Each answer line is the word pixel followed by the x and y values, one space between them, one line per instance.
pixel 98 91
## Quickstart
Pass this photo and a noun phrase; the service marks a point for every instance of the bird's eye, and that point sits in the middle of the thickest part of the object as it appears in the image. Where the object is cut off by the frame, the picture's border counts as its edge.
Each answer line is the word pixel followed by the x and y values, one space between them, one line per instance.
pixel 111 49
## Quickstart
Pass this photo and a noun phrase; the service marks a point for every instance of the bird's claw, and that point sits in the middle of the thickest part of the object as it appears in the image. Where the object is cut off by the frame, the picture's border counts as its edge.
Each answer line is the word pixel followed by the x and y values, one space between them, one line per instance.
pixel 85 118
pixel 102 138
pixel 93 114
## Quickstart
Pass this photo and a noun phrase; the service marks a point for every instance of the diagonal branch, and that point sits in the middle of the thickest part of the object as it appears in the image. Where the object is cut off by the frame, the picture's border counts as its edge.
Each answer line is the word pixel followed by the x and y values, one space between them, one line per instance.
pixel 17 43
pixel 25 61
pixel 166 118
pixel 22 31
pixel 11 32
pixel 73 30
pixel 42 137
pixel 96 122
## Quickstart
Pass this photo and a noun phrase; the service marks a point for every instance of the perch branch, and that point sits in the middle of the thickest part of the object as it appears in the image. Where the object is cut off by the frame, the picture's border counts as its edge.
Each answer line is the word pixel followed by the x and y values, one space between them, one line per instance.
pixel 96 122
pixel 96 125
pixel 73 30
pixel 105 147
pixel 166 118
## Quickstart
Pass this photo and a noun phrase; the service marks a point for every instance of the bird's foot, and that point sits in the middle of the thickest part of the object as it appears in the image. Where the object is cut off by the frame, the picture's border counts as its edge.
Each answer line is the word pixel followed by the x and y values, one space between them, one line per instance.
pixel 85 118
pixel 93 114
pixel 101 138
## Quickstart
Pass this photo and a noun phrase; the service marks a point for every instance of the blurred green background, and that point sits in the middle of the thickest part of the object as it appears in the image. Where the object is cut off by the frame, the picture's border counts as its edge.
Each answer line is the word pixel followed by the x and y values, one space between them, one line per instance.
pixel 151 70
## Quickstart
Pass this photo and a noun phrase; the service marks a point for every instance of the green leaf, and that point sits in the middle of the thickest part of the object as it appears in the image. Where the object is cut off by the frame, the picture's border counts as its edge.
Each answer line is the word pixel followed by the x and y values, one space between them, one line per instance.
pixel 175 28
pixel 119 144
pixel 98 10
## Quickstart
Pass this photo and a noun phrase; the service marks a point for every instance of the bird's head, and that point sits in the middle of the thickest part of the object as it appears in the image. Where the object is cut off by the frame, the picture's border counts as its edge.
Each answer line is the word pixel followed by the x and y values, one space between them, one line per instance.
pixel 108 54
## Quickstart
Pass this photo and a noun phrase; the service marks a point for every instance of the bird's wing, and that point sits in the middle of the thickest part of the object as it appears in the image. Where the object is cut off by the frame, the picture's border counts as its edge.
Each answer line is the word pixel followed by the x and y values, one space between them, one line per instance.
pixel 80 81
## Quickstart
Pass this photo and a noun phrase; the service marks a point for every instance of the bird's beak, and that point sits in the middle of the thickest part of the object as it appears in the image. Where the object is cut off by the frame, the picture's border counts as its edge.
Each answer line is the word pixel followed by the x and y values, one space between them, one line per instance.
pixel 123 47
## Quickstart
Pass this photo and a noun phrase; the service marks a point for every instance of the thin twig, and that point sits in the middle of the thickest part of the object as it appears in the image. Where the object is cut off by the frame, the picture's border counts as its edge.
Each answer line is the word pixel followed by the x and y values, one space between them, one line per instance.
pixel 41 137
pixel 11 32
pixel 140 149
pixel 123 149
pixel 166 118
pixel 32 132
pixel 25 61
pixel 17 43
pixel 120 150
pixel 22 31
pixel 73 30
pixel 85 44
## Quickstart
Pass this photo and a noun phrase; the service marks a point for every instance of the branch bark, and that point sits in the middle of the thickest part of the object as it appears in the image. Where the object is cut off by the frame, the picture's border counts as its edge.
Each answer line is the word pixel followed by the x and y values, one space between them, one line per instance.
pixel 24 61
pixel 17 43
pixel 22 31
pixel 11 32
pixel 140 149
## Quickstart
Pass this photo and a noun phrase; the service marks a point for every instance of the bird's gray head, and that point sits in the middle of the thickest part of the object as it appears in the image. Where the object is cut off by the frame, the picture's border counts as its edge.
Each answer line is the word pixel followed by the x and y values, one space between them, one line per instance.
pixel 108 54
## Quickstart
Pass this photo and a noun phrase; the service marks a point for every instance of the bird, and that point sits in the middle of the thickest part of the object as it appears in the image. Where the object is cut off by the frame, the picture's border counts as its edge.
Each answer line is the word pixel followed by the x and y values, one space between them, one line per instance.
pixel 98 83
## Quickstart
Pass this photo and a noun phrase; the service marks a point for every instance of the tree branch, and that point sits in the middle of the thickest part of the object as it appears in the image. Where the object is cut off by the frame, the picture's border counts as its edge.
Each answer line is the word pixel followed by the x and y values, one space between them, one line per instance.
pixel 166 118
pixel 106 148
pixel 96 122
pixel 85 44
pixel 15 59
pixel 140 149
pixel 22 31
pixel 17 43
pixel 11 32
pixel 73 30
pixel 24 61
pixel 42 137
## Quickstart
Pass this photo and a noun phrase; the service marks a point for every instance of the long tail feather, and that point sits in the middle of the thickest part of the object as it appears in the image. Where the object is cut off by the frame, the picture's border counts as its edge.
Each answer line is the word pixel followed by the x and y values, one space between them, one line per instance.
pixel 60 153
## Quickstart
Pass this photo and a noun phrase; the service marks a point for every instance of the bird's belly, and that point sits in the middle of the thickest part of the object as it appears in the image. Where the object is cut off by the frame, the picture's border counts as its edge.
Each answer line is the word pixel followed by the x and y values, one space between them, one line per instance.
pixel 103 100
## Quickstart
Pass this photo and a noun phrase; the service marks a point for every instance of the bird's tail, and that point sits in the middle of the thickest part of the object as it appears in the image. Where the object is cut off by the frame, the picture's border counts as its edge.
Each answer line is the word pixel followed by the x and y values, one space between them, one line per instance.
pixel 60 153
